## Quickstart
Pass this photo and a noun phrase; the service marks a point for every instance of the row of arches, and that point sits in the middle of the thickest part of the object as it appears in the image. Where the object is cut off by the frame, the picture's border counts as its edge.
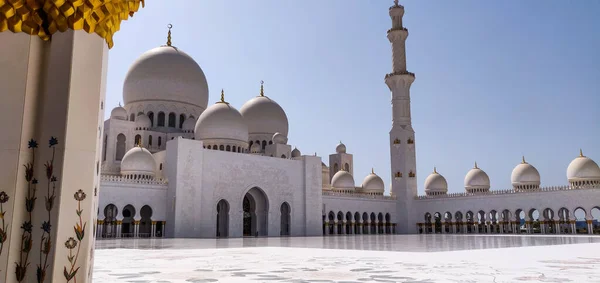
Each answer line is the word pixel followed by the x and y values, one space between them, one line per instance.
pixel 170 120
pixel 127 225
pixel 532 221
pixel 357 223
pixel 255 216
pixel 231 148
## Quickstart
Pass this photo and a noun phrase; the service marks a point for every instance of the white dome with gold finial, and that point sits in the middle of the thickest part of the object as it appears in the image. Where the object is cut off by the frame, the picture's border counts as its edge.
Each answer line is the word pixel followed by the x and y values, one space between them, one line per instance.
pixel 264 116
pixel 221 122
pixel 435 184
pixel 343 181
pixel 583 171
pixel 477 181
pixel 525 177
pixel 166 73
pixel 138 162
pixel 372 184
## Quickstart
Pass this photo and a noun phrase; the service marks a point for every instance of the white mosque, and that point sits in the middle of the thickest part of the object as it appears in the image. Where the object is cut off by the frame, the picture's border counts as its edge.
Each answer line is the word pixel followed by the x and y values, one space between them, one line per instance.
pixel 175 166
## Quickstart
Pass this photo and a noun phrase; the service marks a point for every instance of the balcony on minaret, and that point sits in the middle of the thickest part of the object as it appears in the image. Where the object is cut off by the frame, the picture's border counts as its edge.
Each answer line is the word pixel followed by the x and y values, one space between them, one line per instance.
pixel 410 141
pixel 399 74
pixel 397 143
pixel 397 34
pixel 398 175
pixel 411 174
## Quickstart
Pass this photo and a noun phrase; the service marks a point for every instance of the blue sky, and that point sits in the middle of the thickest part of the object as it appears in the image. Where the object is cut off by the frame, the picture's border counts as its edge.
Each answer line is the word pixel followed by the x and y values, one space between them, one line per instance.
pixel 495 79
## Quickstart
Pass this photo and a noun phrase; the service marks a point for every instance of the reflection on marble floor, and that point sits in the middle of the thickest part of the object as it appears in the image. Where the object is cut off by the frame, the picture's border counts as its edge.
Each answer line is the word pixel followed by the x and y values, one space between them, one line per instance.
pixel 418 258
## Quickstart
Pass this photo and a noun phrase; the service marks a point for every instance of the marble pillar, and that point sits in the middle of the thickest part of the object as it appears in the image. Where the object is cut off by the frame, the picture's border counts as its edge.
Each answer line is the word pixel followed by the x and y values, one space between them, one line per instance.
pixel 51 119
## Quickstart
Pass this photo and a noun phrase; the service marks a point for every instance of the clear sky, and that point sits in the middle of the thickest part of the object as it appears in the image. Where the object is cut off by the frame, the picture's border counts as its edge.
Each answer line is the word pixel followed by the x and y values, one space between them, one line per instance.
pixel 495 80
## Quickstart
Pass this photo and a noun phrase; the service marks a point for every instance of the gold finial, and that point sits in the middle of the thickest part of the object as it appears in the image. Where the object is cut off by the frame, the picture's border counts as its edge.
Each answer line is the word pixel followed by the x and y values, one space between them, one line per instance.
pixel 523 161
pixel 434 170
pixel 475 165
pixel 170 26
pixel 581 153
pixel 222 97
pixel 372 171
pixel 140 143
pixel 262 89
pixel 119 103
pixel 396 3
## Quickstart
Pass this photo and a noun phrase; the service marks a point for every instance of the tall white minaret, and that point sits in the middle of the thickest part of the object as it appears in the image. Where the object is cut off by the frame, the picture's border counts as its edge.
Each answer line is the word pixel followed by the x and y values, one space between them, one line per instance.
pixel 402 135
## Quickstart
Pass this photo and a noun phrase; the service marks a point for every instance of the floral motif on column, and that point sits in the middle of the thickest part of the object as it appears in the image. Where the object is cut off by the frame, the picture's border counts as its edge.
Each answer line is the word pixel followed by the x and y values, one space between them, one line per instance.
pixel 71 243
pixel 26 240
pixel 46 239
pixel 3 199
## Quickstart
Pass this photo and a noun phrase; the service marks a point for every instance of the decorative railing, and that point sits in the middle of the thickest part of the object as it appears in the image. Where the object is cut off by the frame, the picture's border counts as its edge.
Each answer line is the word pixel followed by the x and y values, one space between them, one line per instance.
pixel 400 73
pixel 395 29
pixel 356 195
pixel 122 179
pixel 511 191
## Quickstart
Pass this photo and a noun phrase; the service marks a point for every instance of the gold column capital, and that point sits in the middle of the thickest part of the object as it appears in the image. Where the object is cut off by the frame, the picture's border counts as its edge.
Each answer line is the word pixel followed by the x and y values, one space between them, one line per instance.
pixel 44 18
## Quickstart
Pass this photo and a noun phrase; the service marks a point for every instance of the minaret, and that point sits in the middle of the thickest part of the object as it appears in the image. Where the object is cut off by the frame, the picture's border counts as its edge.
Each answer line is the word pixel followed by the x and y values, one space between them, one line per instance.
pixel 402 140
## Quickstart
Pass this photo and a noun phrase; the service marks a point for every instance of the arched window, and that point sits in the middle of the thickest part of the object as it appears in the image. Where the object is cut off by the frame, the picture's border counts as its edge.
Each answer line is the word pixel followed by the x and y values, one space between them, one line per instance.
pixel 132 117
pixel 221 147
pixel 283 156
pixel 137 139
pixel 209 147
pixel 151 116
pixel 347 167
pixel 228 148
pixel 264 144
pixel 172 120
pixel 251 142
pixel 160 167
pixel 161 119
pixel 335 167
pixel 104 148
pixel 150 140
pixel 120 147
pixel 159 141
pixel 181 120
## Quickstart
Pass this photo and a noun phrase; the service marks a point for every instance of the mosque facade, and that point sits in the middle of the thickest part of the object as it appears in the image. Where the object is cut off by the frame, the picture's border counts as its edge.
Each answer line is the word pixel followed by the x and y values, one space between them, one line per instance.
pixel 175 166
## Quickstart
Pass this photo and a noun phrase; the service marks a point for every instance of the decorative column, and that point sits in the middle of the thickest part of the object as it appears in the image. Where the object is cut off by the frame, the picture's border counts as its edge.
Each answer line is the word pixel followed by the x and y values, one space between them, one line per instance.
pixel 443 227
pixel 590 226
pixel 573 227
pixel 153 229
pixel 136 227
pixel 100 226
pixel 335 227
pixel 51 114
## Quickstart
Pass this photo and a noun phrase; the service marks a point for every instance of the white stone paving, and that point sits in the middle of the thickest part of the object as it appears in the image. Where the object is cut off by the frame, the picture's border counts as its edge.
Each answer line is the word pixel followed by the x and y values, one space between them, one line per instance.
pixel 201 261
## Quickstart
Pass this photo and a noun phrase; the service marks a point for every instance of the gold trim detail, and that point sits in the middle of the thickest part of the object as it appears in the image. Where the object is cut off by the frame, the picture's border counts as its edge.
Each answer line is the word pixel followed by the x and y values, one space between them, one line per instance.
pixel 44 18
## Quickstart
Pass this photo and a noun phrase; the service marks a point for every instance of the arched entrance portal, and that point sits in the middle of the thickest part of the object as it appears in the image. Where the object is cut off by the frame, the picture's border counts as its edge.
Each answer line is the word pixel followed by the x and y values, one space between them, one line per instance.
pixel 222 219
pixel 256 210
pixel 285 219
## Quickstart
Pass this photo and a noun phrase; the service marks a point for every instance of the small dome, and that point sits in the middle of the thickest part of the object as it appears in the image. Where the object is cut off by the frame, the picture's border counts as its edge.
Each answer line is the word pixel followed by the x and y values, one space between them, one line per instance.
pixel 583 169
pixel 221 121
pixel 342 180
pixel 436 184
pixel 340 148
pixel 255 148
pixel 142 121
pixel 264 116
pixel 166 73
pixel 118 113
pixel 138 161
pixel 296 153
pixel 477 180
pixel 525 176
pixel 373 184
pixel 189 124
pixel 279 139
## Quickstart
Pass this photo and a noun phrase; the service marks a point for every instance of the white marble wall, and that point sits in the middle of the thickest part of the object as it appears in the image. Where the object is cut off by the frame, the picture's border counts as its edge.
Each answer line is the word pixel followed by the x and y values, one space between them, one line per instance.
pixel 199 179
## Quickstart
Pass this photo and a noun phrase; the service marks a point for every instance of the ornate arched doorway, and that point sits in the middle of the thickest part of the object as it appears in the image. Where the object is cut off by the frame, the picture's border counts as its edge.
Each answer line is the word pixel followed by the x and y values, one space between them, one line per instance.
pixel 109 230
pixel 222 219
pixel 145 230
pixel 285 219
pixel 256 210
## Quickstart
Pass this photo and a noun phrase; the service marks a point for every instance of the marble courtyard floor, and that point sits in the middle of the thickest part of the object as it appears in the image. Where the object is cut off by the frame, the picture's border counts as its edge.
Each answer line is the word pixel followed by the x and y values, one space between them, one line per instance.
pixel 344 259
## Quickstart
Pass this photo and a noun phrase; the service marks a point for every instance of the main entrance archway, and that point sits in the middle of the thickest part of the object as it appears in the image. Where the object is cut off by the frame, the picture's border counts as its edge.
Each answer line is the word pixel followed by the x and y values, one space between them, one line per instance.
pixel 222 219
pixel 256 210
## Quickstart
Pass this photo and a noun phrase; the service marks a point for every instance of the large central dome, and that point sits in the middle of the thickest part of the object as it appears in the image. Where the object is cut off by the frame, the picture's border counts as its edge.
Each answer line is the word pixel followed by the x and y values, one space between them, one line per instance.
pixel 166 73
